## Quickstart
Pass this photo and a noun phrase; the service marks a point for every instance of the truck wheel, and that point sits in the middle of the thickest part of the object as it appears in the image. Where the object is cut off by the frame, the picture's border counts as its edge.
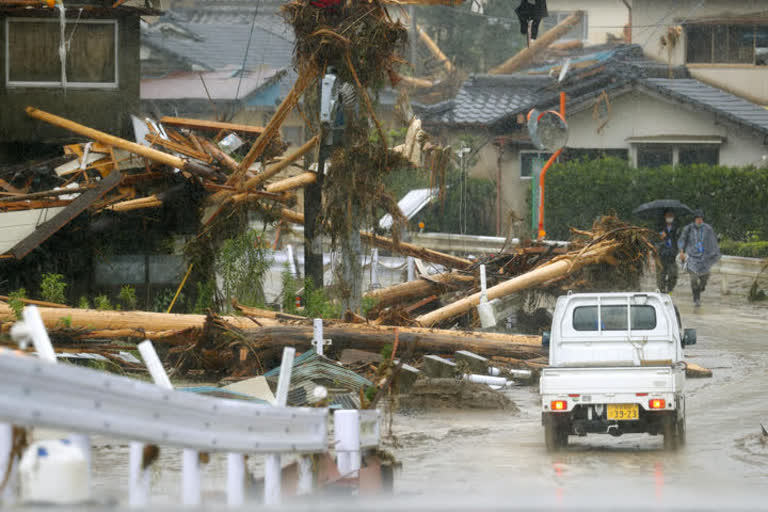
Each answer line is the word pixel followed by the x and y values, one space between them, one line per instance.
pixel 552 437
pixel 681 432
pixel 563 435
pixel 669 430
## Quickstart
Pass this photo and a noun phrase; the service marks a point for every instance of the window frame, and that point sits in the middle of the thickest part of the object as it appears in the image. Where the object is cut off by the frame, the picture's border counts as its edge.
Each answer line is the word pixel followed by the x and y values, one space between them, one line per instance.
pixel 712 61
pixel 548 155
pixel 58 84
pixel 628 319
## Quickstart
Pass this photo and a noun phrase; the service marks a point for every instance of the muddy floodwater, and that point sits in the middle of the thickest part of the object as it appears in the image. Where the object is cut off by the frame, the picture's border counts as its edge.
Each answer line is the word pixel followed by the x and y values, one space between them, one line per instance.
pixel 467 459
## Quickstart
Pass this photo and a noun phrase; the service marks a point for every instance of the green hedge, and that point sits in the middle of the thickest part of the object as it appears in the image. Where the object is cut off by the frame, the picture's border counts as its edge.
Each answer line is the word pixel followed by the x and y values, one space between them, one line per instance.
pixel 746 249
pixel 734 200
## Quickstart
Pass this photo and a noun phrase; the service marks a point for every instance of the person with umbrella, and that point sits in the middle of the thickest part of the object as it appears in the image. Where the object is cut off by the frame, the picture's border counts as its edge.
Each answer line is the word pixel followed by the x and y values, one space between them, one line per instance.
pixel 668 210
pixel 699 251
pixel 666 274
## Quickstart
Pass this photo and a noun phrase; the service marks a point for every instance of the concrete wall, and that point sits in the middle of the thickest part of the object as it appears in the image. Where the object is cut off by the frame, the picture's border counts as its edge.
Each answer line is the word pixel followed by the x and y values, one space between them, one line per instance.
pixel 104 109
pixel 651 19
pixel 604 17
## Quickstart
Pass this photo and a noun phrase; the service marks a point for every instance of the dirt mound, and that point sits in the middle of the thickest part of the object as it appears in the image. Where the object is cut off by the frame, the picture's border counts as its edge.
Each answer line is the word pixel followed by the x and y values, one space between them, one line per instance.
pixel 454 394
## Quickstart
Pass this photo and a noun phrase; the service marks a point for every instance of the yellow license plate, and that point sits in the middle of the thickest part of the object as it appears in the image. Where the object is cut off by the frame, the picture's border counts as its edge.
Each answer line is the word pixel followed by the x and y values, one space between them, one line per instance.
pixel 623 412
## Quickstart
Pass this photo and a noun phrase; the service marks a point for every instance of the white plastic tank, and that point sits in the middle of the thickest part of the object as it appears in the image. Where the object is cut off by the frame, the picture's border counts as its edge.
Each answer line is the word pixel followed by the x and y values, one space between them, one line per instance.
pixel 54 471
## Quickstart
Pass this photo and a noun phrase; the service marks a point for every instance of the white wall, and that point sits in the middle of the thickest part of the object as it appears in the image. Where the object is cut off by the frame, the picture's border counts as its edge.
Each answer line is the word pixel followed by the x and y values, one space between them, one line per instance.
pixel 603 16
pixel 652 19
pixel 634 114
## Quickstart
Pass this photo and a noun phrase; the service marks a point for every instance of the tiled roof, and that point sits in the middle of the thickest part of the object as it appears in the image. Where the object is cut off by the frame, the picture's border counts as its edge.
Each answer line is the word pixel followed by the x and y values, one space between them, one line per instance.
pixel 714 100
pixel 490 99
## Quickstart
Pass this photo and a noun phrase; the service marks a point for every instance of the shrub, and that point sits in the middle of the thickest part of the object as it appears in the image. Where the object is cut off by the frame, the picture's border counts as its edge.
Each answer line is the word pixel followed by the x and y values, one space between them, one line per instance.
pixel 15 302
pixel 733 198
pixel 242 262
pixel 127 296
pixel 83 303
pixel 102 303
pixel 757 249
pixel 52 288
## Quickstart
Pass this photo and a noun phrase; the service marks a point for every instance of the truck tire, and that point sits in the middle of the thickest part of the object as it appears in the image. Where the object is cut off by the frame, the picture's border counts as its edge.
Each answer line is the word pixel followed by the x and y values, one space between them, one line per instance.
pixel 681 432
pixel 552 436
pixel 563 435
pixel 669 429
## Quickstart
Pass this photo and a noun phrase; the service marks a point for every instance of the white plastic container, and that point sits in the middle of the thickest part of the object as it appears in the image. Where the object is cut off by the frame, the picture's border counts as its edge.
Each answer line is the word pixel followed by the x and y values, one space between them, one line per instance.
pixel 54 471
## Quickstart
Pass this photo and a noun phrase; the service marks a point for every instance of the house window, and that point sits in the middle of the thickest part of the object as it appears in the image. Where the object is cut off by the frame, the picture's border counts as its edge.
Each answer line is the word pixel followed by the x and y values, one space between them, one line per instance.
pixel 531 162
pixel 699 154
pixel 32 53
pixel 570 154
pixel 580 32
pixel 655 155
pixel 727 44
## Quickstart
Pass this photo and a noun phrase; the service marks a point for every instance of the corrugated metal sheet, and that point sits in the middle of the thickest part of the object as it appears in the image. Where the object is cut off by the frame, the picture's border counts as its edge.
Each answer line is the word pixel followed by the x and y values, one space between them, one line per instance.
pixel 311 370
pixel 411 204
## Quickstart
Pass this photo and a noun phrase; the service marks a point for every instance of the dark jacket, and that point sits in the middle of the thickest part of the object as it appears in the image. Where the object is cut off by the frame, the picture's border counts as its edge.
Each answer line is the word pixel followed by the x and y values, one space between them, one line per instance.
pixel 668 247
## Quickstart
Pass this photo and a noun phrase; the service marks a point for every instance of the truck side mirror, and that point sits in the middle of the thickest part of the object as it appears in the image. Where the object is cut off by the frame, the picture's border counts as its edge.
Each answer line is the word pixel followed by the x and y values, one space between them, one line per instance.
pixel 689 337
pixel 545 338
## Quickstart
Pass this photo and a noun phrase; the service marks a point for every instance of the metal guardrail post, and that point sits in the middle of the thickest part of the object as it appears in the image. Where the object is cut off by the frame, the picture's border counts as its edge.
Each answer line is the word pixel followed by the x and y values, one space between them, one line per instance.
pixel 235 479
pixel 346 426
pixel 272 467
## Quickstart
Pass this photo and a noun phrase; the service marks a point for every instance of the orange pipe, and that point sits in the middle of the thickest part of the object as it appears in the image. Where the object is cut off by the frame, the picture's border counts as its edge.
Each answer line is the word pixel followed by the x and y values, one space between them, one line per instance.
pixel 543 175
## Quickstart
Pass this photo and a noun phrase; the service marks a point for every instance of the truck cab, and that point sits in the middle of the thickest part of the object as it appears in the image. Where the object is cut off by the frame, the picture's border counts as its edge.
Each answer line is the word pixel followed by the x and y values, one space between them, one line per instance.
pixel 615 367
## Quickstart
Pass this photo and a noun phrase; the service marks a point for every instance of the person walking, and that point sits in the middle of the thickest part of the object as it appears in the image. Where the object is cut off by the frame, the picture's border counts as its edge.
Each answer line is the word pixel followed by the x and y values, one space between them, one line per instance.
pixel 666 274
pixel 699 250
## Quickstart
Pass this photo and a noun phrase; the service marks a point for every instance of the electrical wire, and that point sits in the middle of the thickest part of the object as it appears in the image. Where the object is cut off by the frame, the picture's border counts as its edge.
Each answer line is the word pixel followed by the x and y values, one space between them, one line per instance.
pixel 245 56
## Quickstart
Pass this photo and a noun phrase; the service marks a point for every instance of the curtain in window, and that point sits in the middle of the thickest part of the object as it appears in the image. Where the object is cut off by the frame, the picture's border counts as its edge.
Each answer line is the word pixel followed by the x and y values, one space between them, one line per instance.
pixel 91 56
pixel 33 51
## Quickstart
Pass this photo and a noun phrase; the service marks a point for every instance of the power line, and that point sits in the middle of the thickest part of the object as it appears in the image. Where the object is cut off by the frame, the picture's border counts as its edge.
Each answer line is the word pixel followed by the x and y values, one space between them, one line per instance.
pixel 245 56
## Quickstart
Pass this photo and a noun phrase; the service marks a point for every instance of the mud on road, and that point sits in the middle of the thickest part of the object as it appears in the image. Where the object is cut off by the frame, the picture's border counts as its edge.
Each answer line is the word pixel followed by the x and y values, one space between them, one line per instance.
pixel 500 456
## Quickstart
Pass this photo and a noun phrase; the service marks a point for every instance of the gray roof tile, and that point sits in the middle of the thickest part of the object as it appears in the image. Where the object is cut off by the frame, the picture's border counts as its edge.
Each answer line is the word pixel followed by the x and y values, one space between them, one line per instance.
pixel 714 100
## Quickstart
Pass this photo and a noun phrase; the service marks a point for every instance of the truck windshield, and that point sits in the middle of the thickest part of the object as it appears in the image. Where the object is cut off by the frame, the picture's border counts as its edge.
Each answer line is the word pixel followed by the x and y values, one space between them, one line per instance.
pixel 614 318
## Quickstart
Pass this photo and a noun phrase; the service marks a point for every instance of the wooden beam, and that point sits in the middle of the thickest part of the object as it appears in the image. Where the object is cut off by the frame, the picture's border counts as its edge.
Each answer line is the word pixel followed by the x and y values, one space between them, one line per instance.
pixel 212 126
pixel 526 55
pixel 58 221
pixel 436 51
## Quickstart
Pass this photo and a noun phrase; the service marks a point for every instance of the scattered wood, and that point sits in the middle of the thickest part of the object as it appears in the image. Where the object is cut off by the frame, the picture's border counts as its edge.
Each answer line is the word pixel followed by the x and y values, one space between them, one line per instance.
pixel 406 292
pixel 695 371
pixel 435 50
pixel 526 55
pixel 35 302
pixel 211 126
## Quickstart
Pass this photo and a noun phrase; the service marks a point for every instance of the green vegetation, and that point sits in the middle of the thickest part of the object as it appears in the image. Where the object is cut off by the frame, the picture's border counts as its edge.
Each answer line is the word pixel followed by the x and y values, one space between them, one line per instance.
pixel 52 288
pixel 15 302
pixel 164 298
pixel 128 298
pixel 66 321
pixel 102 303
pixel 733 198
pixel 205 297
pixel 290 288
pixel 242 262
pixel 317 304
pixel 757 249
pixel 83 303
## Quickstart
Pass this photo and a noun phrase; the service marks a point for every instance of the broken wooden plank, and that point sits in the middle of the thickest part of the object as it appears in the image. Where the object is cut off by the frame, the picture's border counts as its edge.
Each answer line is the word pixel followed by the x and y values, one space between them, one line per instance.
pixel 405 292
pixel 211 126
pixel 62 218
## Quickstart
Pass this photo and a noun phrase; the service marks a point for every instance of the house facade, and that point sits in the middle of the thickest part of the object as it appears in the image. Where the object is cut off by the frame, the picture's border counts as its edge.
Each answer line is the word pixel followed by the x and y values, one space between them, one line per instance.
pixel 619 103
pixel 79 62
pixel 722 42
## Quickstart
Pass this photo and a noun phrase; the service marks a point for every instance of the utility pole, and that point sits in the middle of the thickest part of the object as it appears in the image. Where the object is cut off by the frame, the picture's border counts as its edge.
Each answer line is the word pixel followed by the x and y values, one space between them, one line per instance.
pixel 313 205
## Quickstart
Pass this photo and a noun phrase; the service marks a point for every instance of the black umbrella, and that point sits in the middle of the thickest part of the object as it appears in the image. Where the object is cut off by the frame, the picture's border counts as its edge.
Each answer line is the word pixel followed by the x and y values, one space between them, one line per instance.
pixel 656 209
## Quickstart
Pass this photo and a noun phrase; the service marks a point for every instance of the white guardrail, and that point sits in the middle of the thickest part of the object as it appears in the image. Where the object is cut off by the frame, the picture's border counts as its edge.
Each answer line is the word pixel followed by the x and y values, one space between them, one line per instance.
pixel 36 392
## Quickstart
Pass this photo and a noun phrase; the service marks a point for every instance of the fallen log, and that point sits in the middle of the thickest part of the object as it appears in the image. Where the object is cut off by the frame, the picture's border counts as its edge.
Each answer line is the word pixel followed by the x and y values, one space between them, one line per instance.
pixel 405 292
pixel 557 268
pixel 213 126
pixel 220 156
pixel 93 319
pixel 435 50
pixel 526 55
pixel 292 183
pixel 694 371
pixel 425 341
pixel 389 244
pixel 265 313
pixel 35 302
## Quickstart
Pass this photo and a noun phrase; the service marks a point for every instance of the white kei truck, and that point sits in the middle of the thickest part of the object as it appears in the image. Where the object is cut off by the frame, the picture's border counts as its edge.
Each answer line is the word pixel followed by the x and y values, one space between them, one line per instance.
pixel 615 367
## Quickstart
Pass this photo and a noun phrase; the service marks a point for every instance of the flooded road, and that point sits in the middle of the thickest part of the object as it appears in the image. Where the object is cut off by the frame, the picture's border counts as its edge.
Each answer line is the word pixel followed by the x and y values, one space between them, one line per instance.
pixel 501 457
pixel 466 459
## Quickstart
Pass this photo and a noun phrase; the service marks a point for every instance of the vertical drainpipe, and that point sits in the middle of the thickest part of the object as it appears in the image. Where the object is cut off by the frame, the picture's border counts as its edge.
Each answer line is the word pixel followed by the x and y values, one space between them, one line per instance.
pixel 629 24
